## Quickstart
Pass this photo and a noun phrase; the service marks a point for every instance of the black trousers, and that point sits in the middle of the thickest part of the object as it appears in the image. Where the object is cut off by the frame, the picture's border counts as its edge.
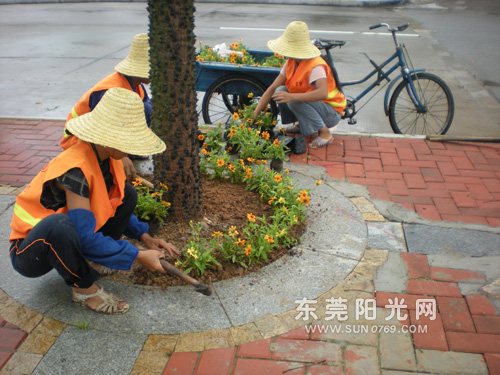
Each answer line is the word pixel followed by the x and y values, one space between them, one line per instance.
pixel 53 244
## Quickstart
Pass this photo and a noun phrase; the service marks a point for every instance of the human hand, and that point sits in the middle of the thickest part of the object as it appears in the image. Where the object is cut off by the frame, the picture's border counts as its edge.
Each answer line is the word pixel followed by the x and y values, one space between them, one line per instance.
pixel 129 168
pixel 282 97
pixel 159 244
pixel 150 259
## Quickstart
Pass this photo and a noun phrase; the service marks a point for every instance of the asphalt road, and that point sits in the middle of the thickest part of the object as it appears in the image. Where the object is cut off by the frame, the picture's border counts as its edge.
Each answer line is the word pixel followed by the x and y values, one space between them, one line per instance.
pixel 50 54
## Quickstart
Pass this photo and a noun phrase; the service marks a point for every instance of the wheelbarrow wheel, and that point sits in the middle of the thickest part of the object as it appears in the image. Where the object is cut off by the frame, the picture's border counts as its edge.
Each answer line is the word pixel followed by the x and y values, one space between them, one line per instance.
pixel 229 94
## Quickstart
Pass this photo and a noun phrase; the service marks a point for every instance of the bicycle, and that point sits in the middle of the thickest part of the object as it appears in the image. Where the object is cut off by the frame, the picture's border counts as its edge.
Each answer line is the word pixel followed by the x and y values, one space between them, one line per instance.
pixel 422 103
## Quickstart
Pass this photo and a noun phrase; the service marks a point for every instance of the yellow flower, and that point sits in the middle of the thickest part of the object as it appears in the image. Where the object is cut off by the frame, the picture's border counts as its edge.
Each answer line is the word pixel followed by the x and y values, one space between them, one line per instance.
pixel 276 142
pixel 232 231
pixel 240 242
pixel 233 131
pixel 166 204
pixel 236 116
pixel 242 162
pixel 265 135
pixel 282 200
pixel 248 250
pixel 163 186
pixel 137 182
pixel 251 160
pixel 251 217
pixel 250 96
pixel 155 194
pixel 318 182
pixel 278 178
pixel 269 239
pixel 304 197
pixel 271 200
pixel 201 137
pixel 192 252
pixel 287 171
pixel 220 162
pixel 217 234
pixel 248 175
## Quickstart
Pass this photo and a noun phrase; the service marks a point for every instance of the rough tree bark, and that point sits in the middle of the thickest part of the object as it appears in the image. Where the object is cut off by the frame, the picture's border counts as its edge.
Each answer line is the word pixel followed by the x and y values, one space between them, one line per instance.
pixel 174 119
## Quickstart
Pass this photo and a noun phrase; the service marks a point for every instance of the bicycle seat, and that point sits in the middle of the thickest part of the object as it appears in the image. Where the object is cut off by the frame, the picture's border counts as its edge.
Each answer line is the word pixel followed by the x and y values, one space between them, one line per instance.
pixel 327 43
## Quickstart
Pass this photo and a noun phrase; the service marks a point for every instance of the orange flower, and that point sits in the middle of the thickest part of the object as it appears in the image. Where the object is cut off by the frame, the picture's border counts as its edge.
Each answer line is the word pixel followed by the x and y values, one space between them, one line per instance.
pixel 278 178
pixel 201 137
pixel 251 217
pixel 204 151
pixel 251 160
pixel 250 96
pixel 231 168
pixel 265 135
pixel 318 182
pixel 240 242
pixel 269 239
pixel 248 250
pixel 236 116
pixel 276 142
pixel 220 162
pixel 137 182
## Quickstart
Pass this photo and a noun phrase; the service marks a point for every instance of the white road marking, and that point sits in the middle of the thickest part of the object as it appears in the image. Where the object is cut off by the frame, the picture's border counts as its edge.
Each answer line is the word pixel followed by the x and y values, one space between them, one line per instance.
pixel 319 31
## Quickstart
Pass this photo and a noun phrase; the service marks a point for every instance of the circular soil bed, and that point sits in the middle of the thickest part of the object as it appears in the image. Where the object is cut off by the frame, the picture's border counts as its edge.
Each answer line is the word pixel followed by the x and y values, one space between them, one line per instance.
pixel 224 205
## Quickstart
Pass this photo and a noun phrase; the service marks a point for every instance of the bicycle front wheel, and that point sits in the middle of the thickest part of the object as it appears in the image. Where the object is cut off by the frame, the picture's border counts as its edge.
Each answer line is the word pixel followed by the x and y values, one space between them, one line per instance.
pixel 433 118
pixel 229 94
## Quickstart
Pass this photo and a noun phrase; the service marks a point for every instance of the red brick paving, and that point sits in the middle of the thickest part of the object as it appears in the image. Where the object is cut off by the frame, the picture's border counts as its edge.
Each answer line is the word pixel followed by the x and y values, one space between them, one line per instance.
pixel 438 180
pixel 25 147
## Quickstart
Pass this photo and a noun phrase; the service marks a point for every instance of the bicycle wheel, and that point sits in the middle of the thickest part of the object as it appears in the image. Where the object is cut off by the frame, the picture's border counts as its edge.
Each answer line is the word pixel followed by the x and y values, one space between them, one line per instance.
pixel 229 94
pixel 438 107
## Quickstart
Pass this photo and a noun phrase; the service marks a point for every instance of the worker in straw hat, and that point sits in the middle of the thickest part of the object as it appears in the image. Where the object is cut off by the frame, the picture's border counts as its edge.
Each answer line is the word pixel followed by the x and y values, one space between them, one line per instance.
pixel 305 90
pixel 73 213
pixel 132 73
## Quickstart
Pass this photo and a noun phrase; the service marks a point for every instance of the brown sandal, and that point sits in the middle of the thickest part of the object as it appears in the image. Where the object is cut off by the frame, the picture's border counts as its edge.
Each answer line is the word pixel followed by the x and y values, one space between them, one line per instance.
pixel 110 303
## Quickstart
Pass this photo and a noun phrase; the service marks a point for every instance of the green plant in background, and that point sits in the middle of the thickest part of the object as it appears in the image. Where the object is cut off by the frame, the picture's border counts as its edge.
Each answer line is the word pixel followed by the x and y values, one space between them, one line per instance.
pixel 84 326
pixel 276 61
pixel 238 54
pixel 150 206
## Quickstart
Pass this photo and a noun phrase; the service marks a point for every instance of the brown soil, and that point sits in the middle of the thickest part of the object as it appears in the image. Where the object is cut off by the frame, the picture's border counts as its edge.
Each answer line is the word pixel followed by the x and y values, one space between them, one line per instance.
pixel 224 205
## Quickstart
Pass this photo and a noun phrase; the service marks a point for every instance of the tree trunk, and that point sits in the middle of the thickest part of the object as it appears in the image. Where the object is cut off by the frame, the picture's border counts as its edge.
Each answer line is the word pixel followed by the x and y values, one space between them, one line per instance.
pixel 174 119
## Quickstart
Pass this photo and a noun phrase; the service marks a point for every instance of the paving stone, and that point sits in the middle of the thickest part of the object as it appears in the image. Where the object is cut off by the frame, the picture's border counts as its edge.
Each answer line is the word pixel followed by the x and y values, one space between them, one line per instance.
pixel 256 349
pixel 434 338
pixel 473 342
pixel 92 352
pixel 216 339
pixel 386 236
pixel 324 370
pixel 10 339
pixel 493 361
pixel 487 324
pixel 480 305
pixel 247 366
pixel 23 363
pixel 448 274
pixel 150 362
pixel 392 276
pixel 352 333
pixel 361 360
pixel 433 288
pixel 161 343
pixel 455 314
pixel 410 300
pixel 190 342
pixel 4 358
pixel 396 351
pixel 424 239
pixel 246 333
pixel 451 362
pixel 181 363
pixel 215 362
pixel 416 264
pixel 304 350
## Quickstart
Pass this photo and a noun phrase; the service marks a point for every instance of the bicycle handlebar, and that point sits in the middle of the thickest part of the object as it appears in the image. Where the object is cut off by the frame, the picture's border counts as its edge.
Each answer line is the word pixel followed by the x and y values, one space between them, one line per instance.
pixel 396 29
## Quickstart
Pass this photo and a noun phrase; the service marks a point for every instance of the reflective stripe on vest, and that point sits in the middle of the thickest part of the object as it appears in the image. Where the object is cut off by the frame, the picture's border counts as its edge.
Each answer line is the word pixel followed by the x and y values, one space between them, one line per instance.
pixel 24 215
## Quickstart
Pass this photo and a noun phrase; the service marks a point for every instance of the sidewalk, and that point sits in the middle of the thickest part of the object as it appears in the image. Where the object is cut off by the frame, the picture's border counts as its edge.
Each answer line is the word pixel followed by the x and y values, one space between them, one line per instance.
pixel 395 219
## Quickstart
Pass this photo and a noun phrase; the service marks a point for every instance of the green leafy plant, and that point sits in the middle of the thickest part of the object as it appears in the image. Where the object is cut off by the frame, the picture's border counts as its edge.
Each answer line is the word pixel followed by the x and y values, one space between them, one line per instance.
pixel 150 206
pixel 84 326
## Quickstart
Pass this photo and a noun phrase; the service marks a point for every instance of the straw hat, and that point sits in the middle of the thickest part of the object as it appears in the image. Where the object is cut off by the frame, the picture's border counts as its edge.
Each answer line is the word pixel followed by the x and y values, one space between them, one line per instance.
pixel 118 121
pixel 294 42
pixel 136 64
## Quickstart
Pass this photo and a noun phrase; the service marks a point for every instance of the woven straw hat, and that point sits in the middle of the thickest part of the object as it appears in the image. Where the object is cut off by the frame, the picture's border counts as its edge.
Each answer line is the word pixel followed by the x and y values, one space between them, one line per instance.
pixel 294 42
pixel 136 64
pixel 118 121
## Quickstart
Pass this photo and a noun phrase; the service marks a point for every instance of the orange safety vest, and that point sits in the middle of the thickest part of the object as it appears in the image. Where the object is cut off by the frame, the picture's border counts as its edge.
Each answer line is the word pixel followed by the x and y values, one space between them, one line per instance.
pixel 82 106
pixel 297 81
pixel 28 211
